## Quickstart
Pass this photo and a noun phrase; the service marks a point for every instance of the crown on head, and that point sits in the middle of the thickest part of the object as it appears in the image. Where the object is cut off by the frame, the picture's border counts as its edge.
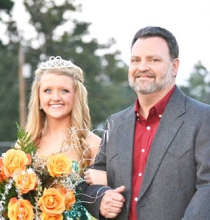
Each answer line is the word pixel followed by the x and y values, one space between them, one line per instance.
pixel 56 62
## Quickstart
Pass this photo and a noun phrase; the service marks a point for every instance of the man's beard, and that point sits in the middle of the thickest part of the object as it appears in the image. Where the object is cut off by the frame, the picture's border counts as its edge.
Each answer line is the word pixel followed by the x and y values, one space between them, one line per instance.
pixel 145 87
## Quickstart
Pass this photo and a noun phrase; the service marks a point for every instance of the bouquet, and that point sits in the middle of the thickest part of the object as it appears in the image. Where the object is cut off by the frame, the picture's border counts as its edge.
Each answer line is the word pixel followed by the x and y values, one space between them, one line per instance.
pixel 34 187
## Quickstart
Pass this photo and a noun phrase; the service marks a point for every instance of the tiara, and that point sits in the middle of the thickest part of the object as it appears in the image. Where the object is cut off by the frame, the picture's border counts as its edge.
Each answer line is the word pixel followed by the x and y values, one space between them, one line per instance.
pixel 56 62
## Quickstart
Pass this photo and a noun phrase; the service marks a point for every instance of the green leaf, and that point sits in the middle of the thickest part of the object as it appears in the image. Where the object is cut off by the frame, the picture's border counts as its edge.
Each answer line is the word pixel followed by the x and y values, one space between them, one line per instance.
pixel 24 141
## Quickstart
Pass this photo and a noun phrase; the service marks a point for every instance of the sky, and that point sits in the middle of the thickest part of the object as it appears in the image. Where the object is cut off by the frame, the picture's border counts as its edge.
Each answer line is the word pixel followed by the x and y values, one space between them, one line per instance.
pixel 188 20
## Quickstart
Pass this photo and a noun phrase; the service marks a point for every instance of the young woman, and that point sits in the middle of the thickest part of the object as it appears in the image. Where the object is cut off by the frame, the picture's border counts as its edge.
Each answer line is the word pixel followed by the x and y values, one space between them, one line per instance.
pixel 59 120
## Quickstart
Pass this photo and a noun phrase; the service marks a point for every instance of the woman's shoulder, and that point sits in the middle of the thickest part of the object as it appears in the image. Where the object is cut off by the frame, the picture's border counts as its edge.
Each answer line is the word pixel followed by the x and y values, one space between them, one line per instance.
pixel 93 142
pixel 93 139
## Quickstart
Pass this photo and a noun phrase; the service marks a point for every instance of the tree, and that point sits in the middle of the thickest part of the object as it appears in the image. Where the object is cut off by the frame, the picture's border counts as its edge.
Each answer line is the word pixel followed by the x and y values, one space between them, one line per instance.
pixel 6 5
pixel 8 76
pixel 58 33
pixel 104 73
pixel 198 84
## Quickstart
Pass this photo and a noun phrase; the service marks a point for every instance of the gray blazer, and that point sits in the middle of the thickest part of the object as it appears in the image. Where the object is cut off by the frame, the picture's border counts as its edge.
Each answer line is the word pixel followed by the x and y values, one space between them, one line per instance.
pixel 176 183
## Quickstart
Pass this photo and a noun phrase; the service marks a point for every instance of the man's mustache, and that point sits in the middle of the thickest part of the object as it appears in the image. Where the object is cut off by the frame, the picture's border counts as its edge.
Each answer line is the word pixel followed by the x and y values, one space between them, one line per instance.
pixel 148 74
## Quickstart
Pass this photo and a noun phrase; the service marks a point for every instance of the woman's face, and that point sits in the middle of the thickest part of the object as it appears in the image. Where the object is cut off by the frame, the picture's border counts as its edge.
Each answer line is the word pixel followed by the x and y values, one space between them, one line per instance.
pixel 56 94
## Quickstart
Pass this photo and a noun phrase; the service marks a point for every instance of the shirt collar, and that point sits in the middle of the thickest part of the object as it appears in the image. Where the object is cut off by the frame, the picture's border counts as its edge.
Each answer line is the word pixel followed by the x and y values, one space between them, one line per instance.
pixel 159 106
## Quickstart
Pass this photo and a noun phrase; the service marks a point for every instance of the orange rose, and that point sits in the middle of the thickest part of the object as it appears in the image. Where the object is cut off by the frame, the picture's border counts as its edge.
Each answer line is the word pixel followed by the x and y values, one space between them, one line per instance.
pixel 2 174
pixel 45 216
pixel 14 159
pixel 61 188
pixel 69 196
pixel 17 208
pixel 2 177
pixel 25 180
pixel 59 164
pixel 70 199
pixel 52 202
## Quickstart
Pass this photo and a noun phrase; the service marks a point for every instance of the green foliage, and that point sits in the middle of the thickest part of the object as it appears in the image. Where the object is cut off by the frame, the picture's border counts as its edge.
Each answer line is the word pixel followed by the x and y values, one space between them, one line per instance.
pixel 6 4
pixel 24 141
pixel 105 72
pixel 198 84
pixel 8 91
pixel 12 194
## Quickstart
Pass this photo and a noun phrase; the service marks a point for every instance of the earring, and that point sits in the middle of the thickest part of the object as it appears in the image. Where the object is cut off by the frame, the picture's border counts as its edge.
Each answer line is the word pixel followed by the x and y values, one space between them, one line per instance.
pixel 40 107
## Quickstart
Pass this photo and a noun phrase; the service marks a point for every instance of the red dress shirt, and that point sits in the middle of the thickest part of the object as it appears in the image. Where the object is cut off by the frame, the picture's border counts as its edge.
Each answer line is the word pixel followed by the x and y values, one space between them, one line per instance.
pixel 145 130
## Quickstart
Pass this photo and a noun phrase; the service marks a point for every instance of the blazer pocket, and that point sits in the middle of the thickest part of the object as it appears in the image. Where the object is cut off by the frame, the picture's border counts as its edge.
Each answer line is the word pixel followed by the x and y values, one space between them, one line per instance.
pixel 112 157
pixel 179 167
pixel 180 150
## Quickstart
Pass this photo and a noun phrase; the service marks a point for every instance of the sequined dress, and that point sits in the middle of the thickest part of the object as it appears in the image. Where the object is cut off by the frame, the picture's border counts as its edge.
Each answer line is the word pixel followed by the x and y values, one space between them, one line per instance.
pixel 78 212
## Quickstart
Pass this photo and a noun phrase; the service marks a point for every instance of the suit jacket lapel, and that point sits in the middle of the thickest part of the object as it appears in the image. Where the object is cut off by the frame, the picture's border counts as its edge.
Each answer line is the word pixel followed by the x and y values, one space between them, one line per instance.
pixel 125 148
pixel 168 127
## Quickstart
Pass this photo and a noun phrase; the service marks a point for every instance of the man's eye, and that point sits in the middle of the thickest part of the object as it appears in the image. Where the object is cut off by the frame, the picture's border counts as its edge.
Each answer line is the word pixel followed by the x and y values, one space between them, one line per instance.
pixel 134 60
pixel 154 60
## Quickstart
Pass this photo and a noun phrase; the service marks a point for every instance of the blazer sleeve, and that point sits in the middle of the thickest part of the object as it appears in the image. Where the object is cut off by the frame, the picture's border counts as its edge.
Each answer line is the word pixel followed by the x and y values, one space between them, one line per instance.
pixel 92 194
pixel 199 208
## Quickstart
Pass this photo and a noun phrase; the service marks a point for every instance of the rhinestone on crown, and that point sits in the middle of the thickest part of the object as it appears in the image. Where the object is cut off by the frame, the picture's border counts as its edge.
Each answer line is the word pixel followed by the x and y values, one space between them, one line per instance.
pixel 56 62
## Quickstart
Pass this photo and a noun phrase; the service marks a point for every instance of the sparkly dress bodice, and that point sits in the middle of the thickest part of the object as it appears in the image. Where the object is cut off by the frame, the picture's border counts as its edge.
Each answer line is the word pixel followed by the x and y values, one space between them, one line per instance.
pixel 78 211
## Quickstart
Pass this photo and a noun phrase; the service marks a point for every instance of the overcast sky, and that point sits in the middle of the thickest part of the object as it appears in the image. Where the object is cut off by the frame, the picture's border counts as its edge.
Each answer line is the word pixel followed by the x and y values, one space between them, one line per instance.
pixel 188 20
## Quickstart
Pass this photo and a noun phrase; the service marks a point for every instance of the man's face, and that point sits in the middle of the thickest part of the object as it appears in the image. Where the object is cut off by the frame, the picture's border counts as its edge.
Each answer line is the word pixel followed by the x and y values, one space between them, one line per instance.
pixel 151 68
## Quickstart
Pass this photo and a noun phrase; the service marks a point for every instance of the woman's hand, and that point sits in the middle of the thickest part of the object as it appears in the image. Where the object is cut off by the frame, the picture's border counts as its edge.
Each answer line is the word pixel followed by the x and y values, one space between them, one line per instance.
pixel 95 177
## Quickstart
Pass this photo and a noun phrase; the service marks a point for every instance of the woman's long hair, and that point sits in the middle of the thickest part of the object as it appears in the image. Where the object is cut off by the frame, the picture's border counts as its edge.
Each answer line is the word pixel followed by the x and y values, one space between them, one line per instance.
pixel 79 116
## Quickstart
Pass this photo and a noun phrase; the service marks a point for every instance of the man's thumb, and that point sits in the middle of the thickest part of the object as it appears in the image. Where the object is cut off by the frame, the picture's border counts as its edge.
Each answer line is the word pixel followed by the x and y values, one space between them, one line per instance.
pixel 120 189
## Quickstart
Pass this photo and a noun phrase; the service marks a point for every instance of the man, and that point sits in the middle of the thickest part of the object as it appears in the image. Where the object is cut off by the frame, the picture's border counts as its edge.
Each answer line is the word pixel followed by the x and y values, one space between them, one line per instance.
pixel 157 152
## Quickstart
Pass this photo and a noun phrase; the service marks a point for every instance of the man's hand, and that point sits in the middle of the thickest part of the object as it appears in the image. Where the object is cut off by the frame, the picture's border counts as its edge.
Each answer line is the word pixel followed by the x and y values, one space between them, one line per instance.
pixel 112 202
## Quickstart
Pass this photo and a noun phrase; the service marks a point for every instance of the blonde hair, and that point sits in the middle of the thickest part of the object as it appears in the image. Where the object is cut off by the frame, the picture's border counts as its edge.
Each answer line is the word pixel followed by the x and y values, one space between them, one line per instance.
pixel 79 116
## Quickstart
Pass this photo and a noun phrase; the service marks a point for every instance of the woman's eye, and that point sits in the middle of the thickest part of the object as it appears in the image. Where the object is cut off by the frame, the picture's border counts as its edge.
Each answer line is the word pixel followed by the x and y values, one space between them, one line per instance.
pixel 64 91
pixel 47 90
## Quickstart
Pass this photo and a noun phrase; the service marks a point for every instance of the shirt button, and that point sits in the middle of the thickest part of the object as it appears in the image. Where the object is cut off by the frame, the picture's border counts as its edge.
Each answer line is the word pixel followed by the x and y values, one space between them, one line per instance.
pixel 160 116
pixel 136 199
pixel 140 174
pixel 143 150
pixel 148 128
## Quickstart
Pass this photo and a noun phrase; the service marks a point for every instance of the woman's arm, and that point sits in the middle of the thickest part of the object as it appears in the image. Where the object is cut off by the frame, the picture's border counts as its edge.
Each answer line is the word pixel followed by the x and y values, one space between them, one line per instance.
pixel 92 176
pixel 95 177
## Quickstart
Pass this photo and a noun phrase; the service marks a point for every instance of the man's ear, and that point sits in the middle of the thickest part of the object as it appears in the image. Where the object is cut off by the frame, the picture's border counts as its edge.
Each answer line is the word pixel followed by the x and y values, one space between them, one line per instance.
pixel 175 66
